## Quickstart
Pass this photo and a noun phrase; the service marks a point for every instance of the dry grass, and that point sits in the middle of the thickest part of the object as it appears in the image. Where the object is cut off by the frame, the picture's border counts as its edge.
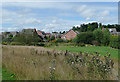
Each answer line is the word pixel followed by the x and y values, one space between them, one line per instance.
pixel 37 63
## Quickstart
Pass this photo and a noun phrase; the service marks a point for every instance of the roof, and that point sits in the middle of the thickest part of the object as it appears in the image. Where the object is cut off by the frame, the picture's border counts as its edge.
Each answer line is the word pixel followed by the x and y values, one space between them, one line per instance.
pixel 112 29
pixel 69 31
pixel 77 32
pixel 40 32
pixel 47 33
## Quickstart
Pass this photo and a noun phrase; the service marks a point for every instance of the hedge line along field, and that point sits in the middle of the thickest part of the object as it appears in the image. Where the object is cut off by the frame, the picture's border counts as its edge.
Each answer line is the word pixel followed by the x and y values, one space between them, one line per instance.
pixel 38 63
pixel 90 49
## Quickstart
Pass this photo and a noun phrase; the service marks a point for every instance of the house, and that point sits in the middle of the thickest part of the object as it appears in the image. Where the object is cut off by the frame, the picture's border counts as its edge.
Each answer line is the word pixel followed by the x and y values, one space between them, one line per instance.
pixel 28 31
pixel 41 33
pixel 70 35
pixel 56 34
pixel 6 34
pixel 112 31
pixel 14 33
pixel 48 34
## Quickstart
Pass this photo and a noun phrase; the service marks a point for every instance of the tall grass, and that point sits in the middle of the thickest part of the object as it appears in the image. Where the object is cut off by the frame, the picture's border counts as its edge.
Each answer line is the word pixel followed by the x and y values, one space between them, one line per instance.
pixel 37 63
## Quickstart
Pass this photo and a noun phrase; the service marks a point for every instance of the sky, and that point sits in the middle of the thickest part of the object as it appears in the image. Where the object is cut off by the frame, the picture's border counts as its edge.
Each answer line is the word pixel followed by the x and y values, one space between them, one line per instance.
pixel 56 16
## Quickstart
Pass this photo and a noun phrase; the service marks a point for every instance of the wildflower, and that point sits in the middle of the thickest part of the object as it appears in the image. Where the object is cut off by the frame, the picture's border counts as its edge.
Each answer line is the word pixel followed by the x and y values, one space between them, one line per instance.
pixel 24 58
pixel 49 67
pixel 106 70
pixel 53 68
pixel 72 62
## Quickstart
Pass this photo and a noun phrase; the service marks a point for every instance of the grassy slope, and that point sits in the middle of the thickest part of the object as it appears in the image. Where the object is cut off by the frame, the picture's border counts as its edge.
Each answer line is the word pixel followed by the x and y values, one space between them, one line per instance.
pixel 6 75
pixel 101 49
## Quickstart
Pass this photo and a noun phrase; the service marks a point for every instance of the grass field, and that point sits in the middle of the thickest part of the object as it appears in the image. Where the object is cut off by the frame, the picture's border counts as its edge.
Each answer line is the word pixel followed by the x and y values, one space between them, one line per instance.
pixel 101 49
pixel 38 63
pixel 6 75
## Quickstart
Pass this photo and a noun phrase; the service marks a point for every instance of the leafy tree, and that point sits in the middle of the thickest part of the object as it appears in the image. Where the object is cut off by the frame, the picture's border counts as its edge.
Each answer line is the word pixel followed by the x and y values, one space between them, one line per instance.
pixel 52 38
pixel 9 39
pixel 106 37
pixel 115 41
pixel 98 33
pixel 85 37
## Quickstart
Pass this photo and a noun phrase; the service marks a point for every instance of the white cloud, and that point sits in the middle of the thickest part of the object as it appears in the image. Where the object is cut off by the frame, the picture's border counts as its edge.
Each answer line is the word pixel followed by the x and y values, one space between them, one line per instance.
pixel 27 18
pixel 97 13
pixel 60 0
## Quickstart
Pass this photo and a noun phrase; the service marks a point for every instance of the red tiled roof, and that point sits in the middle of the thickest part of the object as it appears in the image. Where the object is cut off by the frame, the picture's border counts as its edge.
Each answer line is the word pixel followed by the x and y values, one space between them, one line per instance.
pixel 47 33
pixel 39 33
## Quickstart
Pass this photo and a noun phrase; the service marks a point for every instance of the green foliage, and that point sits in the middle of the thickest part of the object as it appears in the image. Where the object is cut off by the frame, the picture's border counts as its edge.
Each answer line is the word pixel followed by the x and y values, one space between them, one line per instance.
pixel 27 39
pixel 9 39
pixel 17 43
pixel 4 43
pixel 85 37
pixel 106 37
pixel 96 43
pixel 60 40
pixel 98 33
pixel 40 44
pixel 7 76
pixel 115 42
pixel 52 38
pixel 86 27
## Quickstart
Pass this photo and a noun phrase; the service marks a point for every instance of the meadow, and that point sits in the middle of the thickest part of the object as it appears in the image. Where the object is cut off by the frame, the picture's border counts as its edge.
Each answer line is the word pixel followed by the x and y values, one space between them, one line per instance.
pixel 90 49
pixel 38 63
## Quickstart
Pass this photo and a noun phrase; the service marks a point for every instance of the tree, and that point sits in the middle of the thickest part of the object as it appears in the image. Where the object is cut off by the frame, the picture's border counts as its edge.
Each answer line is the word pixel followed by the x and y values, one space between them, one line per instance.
pixel 100 25
pixel 106 37
pixel 9 39
pixel 85 37
pixel 98 33
pixel 52 38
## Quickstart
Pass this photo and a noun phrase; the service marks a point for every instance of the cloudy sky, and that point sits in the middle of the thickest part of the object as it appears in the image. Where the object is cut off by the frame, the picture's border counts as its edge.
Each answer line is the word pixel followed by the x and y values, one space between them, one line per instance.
pixel 56 16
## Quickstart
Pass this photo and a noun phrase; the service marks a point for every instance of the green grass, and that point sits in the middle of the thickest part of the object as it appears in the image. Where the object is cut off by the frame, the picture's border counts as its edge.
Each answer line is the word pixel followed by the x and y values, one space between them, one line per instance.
pixel 6 75
pixel 101 49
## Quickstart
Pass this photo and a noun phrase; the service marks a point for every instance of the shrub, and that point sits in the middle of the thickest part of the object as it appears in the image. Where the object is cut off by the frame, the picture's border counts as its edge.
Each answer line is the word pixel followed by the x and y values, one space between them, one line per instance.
pixel 85 37
pixel 115 42
pixel 80 44
pixel 16 43
pixel 40 44
pixel 106 37
pixel 96 43
pixel 52 38
pixel 54 41
pixel 98 34
pixel 4 43
pixel 59 40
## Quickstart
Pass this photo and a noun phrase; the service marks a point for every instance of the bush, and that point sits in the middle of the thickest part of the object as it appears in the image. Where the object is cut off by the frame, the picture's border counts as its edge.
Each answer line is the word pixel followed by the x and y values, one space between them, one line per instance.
pixel 40 44
pixel 16 43
pixel 85 37
pixel 115 42
pixel 53 41
pixel 59 40
pixel 106 37
pixel 96 43
pixel 4 43
pixel 98 34
pixel 80 44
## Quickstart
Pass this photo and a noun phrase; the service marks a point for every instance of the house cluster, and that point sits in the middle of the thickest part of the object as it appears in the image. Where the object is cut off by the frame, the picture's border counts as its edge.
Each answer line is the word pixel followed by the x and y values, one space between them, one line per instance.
pixel 67 36
pixel 113 31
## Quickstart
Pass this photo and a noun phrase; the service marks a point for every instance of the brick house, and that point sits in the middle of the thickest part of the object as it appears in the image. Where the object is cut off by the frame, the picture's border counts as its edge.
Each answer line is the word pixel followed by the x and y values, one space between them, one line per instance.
pixel 70 35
